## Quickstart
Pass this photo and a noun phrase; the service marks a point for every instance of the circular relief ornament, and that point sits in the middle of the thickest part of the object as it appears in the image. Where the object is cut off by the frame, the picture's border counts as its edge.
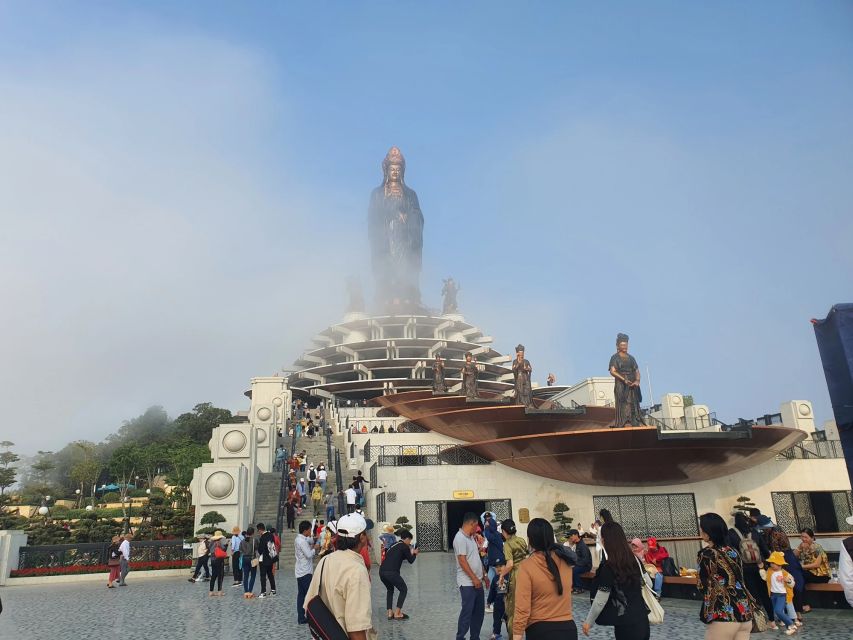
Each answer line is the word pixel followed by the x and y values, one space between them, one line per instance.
pixel 234 441
pixel 676 400
pixel 277 401
pixel 264 414
pixel 261 435
pixel 804 409
pixel 219 485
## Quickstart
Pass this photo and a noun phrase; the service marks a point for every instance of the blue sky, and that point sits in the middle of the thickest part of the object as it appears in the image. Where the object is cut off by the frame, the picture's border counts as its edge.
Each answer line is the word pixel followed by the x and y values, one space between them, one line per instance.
pixel 183 190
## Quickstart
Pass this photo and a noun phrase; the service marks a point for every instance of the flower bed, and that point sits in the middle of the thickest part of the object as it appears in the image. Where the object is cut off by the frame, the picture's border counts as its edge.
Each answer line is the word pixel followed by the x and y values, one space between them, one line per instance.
pixel 98 568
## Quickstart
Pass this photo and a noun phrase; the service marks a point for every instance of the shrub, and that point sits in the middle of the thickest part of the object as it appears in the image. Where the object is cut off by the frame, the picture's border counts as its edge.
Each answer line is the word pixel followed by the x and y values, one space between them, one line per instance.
pixel 111 496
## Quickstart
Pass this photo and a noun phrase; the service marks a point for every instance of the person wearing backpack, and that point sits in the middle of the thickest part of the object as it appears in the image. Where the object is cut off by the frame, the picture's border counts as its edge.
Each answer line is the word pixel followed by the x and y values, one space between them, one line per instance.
pixel 217 564
pixel 752 551
pixel 267 554
pixel 312 478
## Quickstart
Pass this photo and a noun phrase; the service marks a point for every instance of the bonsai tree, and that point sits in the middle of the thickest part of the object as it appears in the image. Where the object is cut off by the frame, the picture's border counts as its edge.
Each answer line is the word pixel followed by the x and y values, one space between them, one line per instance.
pixel 212 519
pixel 743 505
pixel 402 523
pixel 562 521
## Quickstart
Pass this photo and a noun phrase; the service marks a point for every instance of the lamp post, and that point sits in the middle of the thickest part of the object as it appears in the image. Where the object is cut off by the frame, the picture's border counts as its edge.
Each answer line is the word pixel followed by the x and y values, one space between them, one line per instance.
pixel 79 496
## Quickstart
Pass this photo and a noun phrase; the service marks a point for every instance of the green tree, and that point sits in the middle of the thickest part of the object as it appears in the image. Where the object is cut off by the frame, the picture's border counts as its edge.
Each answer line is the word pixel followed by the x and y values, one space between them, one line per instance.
pixel 402 523
pixel 561 520
pixel 185 455
pixel 8 473
pixel 85 472
pixel 688 400
pixel 123 465
pixel 198 424
pixel 41 469
pixel 212 519
pixel 153 459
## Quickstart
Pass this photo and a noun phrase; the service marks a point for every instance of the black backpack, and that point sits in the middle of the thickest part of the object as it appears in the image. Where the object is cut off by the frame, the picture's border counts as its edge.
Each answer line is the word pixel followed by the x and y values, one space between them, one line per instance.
pixel 321 621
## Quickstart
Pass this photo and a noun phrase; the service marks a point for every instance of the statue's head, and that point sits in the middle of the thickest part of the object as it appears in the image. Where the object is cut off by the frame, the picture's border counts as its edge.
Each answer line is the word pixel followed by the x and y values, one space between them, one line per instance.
pixel 622 343
pixel 394 166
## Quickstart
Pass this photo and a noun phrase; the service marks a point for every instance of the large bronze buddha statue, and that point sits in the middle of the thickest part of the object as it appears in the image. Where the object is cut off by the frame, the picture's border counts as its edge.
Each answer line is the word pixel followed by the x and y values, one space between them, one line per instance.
pixel 395 228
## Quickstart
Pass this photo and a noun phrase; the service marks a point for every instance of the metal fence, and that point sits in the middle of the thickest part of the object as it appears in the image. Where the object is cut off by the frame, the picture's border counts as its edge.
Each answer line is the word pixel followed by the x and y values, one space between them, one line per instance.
pixel 374 476
pixel 367 451
pixel 425 455
pixel 813 450
pixel 380 507
pixel 95 553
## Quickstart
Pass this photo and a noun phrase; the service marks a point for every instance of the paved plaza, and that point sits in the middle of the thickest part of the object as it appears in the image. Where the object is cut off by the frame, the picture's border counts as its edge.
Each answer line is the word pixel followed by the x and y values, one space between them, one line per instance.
pixel 166 609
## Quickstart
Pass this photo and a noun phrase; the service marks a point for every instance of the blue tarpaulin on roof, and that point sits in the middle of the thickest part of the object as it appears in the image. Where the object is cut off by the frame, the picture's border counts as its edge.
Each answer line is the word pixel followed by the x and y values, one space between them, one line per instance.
pixel 835 342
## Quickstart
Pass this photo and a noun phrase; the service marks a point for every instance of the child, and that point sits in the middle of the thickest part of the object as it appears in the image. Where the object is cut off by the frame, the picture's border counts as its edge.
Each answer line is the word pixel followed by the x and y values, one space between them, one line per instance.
pixel 780 585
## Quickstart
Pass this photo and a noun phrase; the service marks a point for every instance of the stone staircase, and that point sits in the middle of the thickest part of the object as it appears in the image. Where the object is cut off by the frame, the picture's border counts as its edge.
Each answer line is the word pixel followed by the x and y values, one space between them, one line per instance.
pixel 266 498
pixel 269 487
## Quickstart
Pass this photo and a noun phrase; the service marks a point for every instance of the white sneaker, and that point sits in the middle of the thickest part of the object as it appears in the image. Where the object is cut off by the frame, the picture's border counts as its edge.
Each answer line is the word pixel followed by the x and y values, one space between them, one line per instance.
pixel 264 595
pixel 489 608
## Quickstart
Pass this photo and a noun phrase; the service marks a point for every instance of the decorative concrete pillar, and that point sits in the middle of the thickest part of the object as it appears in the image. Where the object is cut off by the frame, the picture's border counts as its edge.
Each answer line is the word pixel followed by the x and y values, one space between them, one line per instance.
pixel 11 542
pixel 224 488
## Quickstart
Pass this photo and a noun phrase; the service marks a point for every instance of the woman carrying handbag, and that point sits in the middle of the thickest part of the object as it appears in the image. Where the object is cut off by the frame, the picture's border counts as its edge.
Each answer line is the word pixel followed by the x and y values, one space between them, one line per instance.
pixel 618 601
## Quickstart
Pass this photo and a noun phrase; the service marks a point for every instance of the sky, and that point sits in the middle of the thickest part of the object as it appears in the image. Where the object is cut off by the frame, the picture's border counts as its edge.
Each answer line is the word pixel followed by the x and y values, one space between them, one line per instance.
pixel 184 189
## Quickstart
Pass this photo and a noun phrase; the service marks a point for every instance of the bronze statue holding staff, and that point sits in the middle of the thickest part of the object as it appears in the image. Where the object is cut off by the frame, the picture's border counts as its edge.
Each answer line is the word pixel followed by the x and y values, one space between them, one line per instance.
pixel 623 367
pixel 469 376
pixel 521 371
pixel 438 383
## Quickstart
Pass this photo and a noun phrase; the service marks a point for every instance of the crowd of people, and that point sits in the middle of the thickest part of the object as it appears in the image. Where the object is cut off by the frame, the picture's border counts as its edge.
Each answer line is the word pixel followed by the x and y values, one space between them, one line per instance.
pixel 749 575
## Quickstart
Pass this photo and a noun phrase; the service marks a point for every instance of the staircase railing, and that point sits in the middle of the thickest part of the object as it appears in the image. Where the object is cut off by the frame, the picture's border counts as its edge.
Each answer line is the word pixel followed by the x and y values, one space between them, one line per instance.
pixel 339 484
pixel 283 488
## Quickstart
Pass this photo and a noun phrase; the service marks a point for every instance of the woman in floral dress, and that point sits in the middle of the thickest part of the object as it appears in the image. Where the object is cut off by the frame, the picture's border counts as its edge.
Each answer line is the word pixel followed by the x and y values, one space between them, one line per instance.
pixel 727 606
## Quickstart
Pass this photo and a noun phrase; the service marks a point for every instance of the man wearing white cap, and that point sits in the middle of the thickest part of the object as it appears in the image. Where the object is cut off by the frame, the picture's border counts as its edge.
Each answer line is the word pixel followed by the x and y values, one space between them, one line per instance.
pixel 845 566
pixel 345 583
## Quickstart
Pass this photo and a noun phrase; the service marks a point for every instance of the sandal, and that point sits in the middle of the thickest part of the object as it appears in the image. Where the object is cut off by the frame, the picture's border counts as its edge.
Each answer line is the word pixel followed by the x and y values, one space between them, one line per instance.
pixel 402 617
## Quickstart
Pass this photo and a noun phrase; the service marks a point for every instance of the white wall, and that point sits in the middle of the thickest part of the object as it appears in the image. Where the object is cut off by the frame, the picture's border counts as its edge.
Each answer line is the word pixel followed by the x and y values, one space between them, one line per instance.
pixel 496 481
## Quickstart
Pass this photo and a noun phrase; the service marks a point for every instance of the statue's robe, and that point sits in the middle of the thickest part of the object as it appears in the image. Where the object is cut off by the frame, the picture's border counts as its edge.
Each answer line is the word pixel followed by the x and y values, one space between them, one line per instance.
pixel 523 389
pixel 396 247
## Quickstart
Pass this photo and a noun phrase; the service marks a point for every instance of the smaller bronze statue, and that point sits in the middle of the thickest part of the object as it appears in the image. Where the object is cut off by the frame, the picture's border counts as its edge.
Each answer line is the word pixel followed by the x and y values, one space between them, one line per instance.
pixel 449 291
pixel 551 380
pixel 521 371
pixel 623 367
pixel 469 376
pixel 438 384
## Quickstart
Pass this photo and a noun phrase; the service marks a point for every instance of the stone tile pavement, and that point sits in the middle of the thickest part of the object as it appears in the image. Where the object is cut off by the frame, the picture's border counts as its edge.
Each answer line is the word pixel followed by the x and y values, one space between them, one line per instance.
pixel 172 608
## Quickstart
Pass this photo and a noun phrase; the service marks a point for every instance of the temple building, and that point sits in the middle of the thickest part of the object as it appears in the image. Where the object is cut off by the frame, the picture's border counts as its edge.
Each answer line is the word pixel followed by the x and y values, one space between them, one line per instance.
pixel 434 449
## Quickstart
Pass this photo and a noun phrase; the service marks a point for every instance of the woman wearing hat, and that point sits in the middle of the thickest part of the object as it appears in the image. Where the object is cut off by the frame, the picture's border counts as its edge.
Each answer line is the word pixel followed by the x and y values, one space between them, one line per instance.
pixel 217 557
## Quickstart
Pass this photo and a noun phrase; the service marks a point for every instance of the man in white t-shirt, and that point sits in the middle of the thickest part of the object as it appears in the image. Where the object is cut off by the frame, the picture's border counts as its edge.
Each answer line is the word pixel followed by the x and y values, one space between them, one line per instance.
pixel 351 496
pixel 322 476
pixel 124 561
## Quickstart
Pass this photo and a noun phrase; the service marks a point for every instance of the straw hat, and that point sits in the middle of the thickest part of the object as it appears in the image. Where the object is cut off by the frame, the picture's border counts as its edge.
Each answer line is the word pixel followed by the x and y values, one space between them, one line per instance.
pixel 777 557
pixel 218 536
pixel 388 528
pixel 235 531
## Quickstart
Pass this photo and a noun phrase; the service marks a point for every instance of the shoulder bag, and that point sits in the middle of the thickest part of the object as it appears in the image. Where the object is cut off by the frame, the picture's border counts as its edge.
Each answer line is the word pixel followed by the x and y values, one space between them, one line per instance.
pixel 656 612
pixel 321 621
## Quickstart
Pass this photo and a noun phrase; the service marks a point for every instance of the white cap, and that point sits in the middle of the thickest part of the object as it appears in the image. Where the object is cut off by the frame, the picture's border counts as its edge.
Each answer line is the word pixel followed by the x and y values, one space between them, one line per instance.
pixel 850 520
pixel 352 524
